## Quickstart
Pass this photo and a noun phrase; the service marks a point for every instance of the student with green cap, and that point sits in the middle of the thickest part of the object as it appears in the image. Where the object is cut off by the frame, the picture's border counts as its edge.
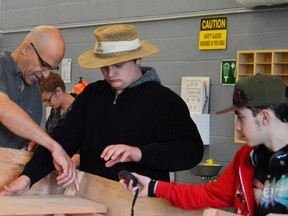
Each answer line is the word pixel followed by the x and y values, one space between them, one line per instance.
pixel 256 181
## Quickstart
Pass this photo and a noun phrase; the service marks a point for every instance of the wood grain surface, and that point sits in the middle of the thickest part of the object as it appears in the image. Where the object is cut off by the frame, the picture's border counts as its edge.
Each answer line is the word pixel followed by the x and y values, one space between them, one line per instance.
pixel 48 204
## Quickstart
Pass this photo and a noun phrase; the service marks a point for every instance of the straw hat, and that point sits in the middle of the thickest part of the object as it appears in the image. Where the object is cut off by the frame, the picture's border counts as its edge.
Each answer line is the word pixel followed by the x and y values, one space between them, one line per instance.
pixel 115 44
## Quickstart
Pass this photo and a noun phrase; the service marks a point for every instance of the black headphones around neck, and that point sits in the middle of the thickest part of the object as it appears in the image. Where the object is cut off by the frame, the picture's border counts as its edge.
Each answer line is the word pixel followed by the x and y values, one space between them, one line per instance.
pixel 261 157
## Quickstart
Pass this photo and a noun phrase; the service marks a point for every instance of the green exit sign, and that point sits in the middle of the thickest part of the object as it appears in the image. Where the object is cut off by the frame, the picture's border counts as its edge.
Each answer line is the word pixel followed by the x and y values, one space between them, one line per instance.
pixel 228 72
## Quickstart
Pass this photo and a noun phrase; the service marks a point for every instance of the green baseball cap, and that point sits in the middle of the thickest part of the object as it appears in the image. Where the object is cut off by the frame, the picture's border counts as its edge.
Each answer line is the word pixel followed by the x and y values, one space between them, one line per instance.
pixel 257 90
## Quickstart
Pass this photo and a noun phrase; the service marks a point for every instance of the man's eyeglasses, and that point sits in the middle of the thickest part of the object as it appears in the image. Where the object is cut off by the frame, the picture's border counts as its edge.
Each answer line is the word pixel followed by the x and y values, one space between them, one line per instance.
pixel 48 99
pixel 44 65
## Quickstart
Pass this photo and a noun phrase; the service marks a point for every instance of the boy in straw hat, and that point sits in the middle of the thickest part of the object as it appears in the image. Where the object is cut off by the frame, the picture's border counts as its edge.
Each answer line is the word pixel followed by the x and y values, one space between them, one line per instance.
pixel 256 181
pixel 128 120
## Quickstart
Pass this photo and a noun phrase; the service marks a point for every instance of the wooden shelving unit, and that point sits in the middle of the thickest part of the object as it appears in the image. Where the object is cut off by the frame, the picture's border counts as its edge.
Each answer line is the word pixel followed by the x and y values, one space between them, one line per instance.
pixel 251 62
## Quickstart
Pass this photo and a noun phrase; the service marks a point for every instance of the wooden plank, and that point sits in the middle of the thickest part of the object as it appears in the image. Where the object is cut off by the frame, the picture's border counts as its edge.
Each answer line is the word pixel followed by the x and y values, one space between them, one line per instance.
pixel 38 200
pixel 48 204
pixel 114 196
pixel 16 156
pixel 217 212
pixel 84 214
pixel 119 201
pixel 12 162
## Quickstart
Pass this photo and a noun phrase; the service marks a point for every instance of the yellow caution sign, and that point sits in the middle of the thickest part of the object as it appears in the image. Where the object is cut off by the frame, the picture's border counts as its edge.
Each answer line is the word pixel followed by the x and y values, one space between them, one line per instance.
pixel 213 33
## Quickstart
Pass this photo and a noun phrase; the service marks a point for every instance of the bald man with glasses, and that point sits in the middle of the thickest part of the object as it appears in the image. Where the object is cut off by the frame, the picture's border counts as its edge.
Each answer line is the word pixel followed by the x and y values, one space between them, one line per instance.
pixel 40 52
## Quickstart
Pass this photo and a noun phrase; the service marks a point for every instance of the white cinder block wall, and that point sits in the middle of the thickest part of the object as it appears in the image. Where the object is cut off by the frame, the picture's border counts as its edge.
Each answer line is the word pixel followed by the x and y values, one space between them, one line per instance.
pixel 174 27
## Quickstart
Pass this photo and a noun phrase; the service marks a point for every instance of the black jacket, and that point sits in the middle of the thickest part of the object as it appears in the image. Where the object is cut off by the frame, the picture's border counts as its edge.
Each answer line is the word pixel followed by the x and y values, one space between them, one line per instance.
pixel 149 116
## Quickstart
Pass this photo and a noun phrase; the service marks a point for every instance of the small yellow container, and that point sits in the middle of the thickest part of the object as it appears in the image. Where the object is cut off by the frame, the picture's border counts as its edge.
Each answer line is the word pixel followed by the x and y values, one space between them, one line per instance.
pixel 210 162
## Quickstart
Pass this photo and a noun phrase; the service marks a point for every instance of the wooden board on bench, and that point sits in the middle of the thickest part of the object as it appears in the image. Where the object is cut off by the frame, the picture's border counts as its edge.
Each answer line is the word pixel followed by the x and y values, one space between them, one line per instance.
pixel 48 204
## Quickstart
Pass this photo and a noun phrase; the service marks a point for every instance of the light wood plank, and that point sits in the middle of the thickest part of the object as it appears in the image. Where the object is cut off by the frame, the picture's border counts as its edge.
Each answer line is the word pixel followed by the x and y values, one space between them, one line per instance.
pixel 48 204
pixel 119 201
pixel 12 162
pixel 16 156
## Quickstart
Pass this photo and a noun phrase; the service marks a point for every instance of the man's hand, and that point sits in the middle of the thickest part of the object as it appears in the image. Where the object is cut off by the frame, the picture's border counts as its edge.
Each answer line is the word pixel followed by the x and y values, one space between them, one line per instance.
pixel 17 187
pixel 114 154
pixel 65 167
